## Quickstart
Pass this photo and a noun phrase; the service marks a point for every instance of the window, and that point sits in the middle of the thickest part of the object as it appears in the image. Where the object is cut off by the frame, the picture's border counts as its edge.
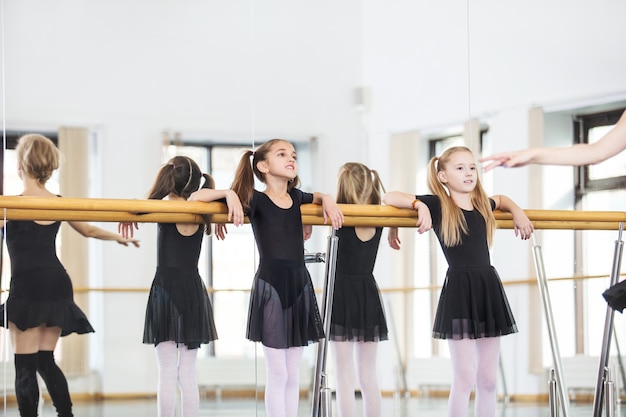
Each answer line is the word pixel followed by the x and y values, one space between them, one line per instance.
pixel 233 265
pixel 610 174
pixel 600 187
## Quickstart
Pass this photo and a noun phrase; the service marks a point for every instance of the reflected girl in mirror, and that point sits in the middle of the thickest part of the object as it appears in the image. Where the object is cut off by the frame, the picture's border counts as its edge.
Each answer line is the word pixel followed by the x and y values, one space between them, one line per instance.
pixel 179 316
pixel 358 319
pixel 40 307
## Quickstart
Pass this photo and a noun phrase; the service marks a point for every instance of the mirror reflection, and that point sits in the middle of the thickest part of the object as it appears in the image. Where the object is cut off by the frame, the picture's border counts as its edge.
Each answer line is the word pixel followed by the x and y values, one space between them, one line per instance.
pixel 123 88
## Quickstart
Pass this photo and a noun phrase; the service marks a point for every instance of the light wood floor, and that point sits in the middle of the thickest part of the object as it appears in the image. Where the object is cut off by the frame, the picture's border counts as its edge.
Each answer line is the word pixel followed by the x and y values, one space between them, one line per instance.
pixel 411 407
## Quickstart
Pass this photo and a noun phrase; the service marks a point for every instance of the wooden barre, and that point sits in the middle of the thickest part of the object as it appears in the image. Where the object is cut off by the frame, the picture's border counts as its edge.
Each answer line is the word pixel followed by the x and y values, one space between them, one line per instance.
pixel 193 207
pixel 158 211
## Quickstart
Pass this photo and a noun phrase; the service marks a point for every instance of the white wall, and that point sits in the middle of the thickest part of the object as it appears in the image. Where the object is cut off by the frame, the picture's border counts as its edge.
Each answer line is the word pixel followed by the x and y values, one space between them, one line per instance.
pixel 240 70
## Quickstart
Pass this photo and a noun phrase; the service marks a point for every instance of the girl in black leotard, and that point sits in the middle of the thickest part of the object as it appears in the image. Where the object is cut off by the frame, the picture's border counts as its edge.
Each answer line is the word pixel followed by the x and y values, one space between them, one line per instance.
pixel 179 317
pixel 473 311
pixel 41 307
pixel 358 318
pixel 283 312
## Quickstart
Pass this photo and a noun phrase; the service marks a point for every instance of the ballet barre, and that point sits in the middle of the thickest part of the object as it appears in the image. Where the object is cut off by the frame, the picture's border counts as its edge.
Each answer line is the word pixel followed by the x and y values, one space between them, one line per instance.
pixel 159 211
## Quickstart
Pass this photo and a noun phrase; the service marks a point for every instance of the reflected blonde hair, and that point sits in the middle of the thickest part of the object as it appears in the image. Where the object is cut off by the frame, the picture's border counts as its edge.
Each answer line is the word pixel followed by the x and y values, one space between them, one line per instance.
pixel 37 156
pixel 357 184
pixel 453 224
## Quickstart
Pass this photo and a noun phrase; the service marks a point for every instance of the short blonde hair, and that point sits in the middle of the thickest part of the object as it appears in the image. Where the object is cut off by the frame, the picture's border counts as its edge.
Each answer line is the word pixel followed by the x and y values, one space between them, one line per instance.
pixel 357 184
pixel 37 156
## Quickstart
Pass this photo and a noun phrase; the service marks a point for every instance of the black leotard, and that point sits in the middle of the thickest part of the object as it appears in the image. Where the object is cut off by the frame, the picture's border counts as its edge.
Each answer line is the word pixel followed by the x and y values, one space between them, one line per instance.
pixel 283 309
pixel 358 314
pixel 178 307
pixel 472 303
pixel 41 291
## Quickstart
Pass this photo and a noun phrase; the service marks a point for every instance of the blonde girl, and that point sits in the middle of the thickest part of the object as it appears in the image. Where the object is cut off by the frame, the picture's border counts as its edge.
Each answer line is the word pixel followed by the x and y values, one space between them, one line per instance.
pixel 473 311
pixel 40 308
pixel 179 315
pixel 358 319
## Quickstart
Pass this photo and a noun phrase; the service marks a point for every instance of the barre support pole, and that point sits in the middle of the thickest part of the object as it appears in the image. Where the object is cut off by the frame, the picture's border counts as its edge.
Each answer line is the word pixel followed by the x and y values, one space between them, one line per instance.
pixel 554 344
pixel 608 327
pixel 320 381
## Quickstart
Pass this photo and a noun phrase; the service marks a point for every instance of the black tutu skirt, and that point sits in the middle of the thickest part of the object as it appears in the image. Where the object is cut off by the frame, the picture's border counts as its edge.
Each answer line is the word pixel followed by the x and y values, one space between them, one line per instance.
pixel 27 314
pixel 615 296
pixel 283 309
pixel 44 296
pixel 358 314
pixel 473 305
pixel 179 309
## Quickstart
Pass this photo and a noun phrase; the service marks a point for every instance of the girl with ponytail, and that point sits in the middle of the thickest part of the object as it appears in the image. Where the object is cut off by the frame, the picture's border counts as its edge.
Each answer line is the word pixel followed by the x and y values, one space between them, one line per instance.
pixel 473 311
pixel 283 313
pixel 179 316
pixel 358 318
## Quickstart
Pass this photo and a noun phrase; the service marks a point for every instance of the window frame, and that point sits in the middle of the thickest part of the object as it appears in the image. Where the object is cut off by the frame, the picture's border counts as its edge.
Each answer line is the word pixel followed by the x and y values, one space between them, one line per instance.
pixel 582 126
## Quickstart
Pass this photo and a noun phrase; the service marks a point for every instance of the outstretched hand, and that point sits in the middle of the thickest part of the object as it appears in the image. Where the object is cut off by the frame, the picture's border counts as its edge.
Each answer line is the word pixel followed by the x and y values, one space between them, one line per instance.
pixel 507 159
pixel 125 241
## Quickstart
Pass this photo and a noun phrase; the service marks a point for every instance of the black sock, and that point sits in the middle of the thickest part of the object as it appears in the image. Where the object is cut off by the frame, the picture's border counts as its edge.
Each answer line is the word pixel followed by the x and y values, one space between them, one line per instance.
pixel 26 387
pixel 55 382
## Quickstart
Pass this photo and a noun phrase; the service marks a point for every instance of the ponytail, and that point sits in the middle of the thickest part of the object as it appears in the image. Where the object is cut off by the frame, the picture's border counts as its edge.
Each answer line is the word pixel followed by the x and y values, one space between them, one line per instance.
pixel 164 183
pixel 243 184
pixel 378 189
pixel 453 223
pixel 181 176
pixel 209 182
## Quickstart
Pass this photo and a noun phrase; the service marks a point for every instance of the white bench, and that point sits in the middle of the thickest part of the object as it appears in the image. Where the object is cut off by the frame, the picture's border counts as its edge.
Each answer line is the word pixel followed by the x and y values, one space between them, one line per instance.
pixel 581 374
pixel 427 374
pixel 240 374
pixel 7 377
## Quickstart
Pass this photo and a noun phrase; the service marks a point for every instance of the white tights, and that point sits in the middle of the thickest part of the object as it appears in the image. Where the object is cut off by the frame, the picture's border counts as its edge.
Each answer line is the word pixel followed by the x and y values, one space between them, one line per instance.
pixel 342 353
pixel 474 363
pixel 282 387
pixel 177 366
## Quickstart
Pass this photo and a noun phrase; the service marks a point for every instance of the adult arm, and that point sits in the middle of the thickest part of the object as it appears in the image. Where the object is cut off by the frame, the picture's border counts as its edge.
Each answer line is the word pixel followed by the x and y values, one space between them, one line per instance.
pixel 579 154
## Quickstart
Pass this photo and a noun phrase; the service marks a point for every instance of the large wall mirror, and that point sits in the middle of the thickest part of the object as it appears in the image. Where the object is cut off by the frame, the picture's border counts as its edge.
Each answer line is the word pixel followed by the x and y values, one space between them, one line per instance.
pixel 123 86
